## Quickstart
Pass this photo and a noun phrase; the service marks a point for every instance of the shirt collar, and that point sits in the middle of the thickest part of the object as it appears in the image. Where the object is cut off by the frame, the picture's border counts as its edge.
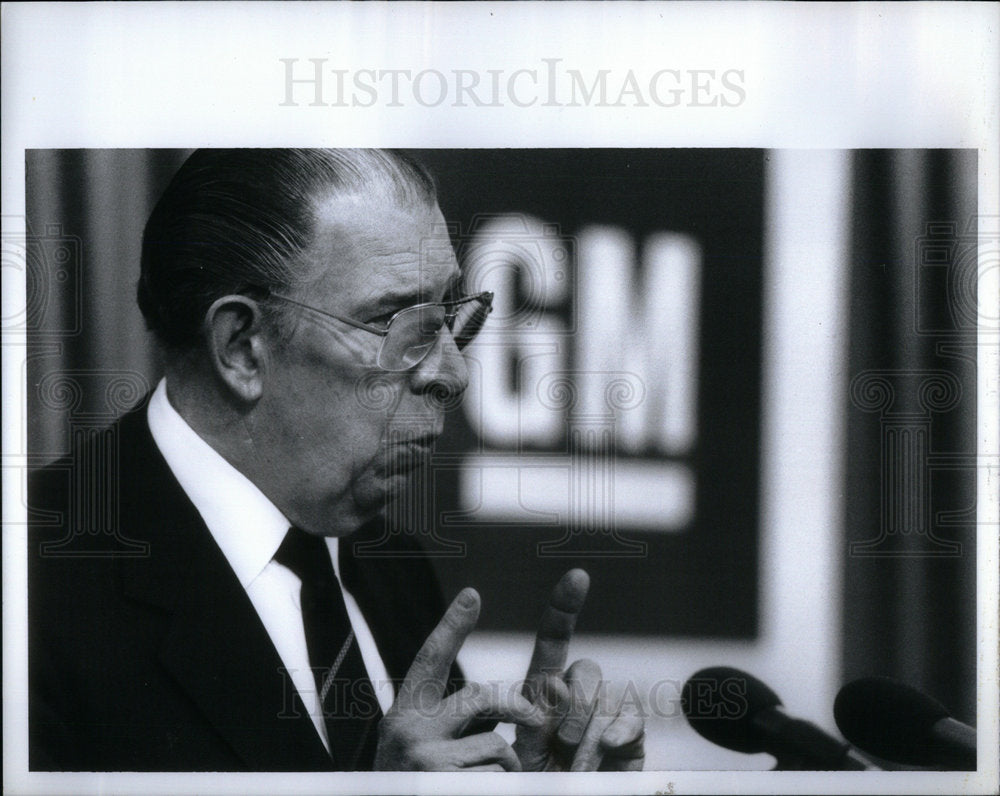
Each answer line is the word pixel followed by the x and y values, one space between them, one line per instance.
pixel 245 524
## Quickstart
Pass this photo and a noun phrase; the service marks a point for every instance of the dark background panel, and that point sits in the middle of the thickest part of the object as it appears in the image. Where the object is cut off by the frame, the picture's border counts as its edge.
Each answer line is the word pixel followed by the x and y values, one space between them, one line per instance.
pixel 702 580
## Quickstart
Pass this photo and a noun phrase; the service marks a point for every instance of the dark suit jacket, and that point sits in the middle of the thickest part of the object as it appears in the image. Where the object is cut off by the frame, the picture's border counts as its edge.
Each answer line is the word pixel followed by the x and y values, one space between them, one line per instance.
pixel 145 653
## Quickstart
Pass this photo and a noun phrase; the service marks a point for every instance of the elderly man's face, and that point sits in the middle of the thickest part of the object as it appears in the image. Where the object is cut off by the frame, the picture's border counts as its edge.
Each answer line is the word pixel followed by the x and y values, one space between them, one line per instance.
pixel 344 436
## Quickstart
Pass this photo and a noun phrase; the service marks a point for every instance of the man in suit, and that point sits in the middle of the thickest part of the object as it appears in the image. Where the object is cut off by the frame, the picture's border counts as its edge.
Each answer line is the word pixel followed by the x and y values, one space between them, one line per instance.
pixel 307 306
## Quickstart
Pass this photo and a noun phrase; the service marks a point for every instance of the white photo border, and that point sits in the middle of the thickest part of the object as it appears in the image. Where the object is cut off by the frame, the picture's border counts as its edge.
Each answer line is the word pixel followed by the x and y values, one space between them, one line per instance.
pixel 810 76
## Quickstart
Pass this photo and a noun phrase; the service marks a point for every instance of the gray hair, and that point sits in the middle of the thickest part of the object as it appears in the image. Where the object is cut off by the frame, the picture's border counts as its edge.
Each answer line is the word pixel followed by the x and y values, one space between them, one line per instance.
pixel 233 220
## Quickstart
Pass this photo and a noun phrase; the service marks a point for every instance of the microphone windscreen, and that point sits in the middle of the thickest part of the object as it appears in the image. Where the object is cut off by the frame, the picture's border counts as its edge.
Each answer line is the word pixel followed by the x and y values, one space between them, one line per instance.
pixel 888 718
pixel 720 703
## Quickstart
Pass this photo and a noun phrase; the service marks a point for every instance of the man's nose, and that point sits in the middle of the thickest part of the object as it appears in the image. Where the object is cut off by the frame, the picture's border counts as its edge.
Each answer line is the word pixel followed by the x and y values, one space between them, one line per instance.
pixel 443 373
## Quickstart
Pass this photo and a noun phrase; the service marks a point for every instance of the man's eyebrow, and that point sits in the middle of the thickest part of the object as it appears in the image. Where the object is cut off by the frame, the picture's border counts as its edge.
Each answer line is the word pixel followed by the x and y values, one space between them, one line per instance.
pixel 400 299
pixel 397 299
pixel 416 296
pixel 454 283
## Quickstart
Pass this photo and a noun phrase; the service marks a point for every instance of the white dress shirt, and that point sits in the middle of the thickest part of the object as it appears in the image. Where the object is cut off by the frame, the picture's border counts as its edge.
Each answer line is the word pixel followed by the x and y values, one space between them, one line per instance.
pixel 249 529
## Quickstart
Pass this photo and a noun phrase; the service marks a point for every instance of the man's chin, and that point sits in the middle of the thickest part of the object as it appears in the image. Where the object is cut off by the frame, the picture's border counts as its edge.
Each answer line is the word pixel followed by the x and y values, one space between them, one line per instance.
pixel 376 495
pixel 371 497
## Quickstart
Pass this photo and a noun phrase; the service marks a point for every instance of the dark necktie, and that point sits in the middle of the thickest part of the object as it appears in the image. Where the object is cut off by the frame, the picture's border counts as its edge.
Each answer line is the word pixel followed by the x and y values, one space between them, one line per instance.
pixel 346 695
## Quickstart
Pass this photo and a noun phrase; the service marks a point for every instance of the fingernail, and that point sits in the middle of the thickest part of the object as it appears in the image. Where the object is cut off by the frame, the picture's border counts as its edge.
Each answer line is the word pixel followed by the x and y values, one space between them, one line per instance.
pixel 612 738
pixel 570 733
pixel 467 598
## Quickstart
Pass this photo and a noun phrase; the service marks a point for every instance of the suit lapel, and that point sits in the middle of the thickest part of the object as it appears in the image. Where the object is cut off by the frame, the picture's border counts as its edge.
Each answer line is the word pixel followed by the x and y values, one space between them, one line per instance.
pixel 219 652
pixel 216 647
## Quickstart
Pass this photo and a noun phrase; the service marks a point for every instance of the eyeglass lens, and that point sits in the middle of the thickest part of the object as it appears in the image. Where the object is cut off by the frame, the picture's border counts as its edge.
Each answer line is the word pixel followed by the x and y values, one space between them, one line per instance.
pixel 413 332
pixel 468 320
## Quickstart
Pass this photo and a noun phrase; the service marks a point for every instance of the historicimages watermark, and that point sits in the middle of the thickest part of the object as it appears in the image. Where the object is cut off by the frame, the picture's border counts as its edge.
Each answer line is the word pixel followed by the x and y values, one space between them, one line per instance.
pixel 319 82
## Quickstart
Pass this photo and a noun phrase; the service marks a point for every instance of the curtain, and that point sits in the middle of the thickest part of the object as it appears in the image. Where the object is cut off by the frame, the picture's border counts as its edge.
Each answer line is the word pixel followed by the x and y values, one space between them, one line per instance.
pixel 910 497
pixel 89 356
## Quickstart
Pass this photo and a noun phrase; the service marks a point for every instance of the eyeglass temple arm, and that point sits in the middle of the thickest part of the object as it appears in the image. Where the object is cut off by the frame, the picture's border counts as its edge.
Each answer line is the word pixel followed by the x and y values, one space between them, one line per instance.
pixel 486 297
pixel 343 319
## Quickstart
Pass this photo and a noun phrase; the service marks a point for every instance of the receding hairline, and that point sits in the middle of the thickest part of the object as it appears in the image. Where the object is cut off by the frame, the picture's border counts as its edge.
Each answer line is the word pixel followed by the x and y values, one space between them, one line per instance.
pixel 259 209
pixel 392 172
pixel 372 175
pixel 349 208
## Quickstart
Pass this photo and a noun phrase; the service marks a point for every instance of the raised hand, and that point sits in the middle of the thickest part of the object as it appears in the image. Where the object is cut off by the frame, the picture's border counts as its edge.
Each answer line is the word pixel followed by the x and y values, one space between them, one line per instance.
pixel 582 730
pixel 423 729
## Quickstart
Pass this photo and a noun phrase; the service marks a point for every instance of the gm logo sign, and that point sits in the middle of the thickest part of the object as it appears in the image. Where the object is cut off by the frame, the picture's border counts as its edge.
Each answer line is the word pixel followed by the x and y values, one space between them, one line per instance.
pixel 583 391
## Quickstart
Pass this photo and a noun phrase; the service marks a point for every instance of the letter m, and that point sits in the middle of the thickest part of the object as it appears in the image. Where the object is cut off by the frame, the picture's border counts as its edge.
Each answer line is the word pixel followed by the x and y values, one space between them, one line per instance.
pixel 600 81
pixel 644 324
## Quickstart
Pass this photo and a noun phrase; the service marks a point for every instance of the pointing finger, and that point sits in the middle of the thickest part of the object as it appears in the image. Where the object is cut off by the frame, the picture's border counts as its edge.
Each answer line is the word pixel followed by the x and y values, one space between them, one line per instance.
pixel 556 627
pixel 428 674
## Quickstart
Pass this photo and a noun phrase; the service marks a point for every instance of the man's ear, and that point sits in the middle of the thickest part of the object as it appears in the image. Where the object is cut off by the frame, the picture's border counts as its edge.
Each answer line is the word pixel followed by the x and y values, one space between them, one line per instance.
pixel 237 346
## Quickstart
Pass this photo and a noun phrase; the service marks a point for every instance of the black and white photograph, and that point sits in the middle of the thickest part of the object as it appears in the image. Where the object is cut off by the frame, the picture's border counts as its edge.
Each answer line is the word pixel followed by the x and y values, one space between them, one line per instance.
pixel 538 424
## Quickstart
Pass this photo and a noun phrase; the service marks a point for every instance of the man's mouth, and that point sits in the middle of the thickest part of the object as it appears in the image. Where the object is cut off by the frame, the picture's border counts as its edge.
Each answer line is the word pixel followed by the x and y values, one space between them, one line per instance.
pixel 405 453
pixel 424 436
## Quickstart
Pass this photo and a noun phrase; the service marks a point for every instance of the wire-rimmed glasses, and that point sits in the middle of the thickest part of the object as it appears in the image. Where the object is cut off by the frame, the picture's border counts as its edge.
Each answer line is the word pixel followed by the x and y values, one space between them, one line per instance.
pixel 411 332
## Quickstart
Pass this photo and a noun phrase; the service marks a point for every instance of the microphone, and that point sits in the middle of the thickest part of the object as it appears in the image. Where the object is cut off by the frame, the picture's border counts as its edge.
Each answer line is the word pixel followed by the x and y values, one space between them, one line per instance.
pixel 736 710
pixel 894 721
